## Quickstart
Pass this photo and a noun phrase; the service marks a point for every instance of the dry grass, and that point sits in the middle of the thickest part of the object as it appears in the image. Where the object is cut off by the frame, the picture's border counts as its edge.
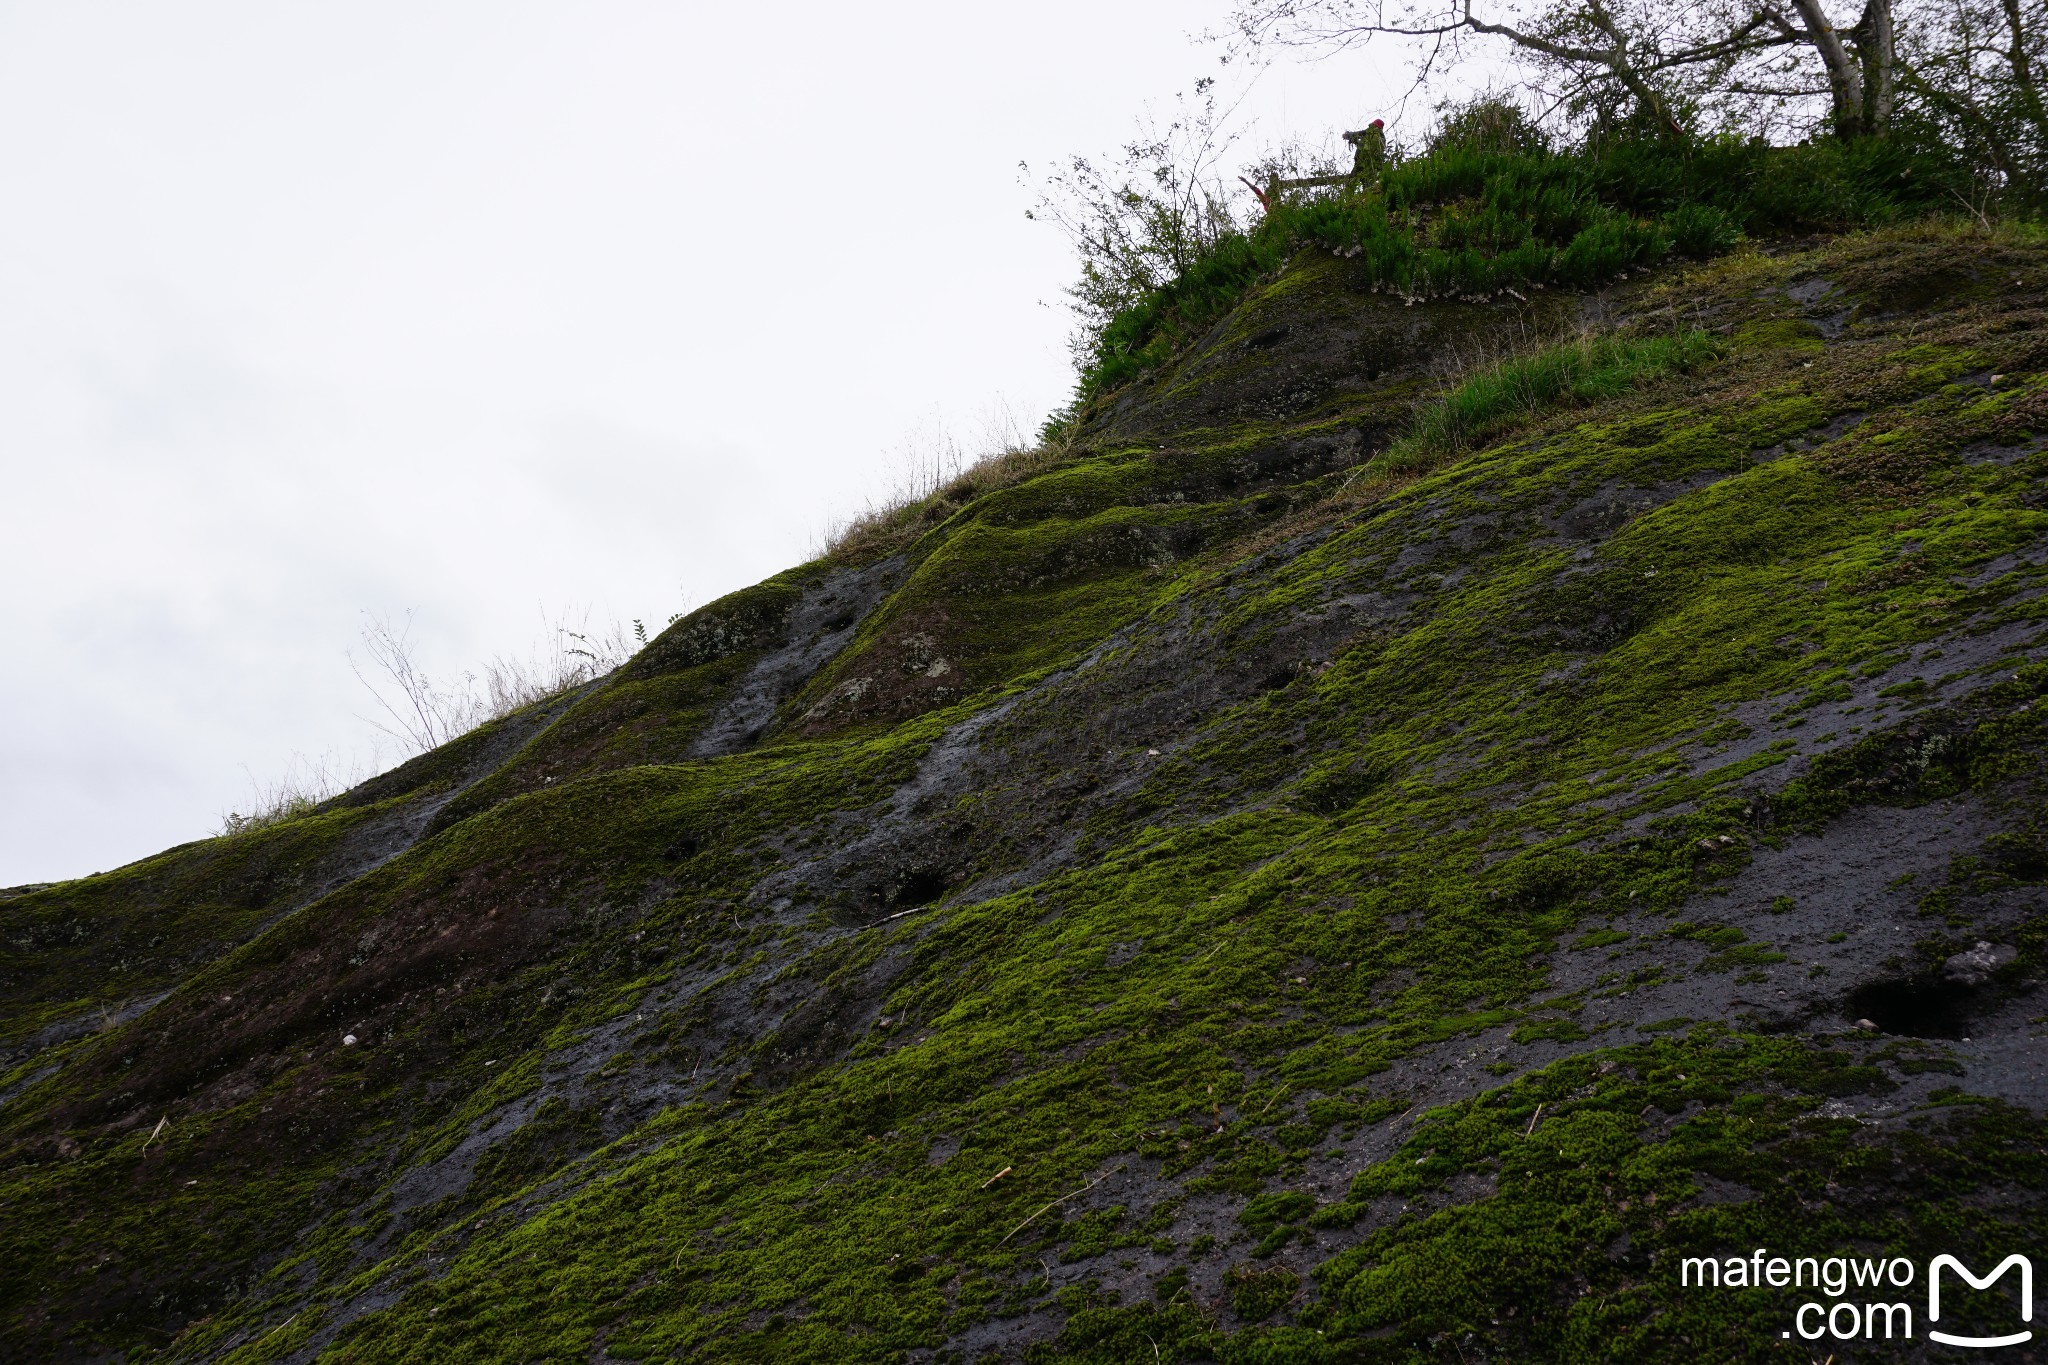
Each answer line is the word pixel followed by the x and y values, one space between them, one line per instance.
pixel 305 784
pixel 563 658
pixel 936 477
pixel 423 715
pixel 420 714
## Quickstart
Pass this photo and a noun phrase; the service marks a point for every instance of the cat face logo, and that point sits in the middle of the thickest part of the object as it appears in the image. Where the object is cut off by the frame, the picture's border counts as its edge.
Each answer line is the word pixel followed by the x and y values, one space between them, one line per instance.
pixel 2026 1298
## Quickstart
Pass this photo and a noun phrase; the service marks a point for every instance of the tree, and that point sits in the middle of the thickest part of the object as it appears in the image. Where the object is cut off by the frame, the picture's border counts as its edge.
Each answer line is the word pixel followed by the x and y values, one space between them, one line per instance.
pixel 1660 63
pixel 1970 70
pixel 1142 218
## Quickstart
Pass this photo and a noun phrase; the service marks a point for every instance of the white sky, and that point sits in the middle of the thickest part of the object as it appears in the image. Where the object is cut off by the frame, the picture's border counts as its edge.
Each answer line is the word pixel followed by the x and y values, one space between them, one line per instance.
pixel 308 311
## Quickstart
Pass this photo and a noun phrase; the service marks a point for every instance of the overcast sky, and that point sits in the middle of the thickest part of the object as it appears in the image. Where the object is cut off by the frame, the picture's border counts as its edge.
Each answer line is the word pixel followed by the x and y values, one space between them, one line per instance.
pixel 486 310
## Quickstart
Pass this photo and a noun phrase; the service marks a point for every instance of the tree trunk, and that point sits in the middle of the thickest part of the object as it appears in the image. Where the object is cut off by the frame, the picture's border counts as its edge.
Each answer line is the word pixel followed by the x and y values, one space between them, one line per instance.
pixel 1877 51
pixel 1845 79
pixel 2023 71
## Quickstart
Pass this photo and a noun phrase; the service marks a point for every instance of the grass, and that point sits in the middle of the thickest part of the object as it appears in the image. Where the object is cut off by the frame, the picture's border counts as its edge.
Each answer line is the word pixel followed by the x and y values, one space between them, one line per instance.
pixel 306 783
pixel 939 481
pixel 1497 397
pixel 423 716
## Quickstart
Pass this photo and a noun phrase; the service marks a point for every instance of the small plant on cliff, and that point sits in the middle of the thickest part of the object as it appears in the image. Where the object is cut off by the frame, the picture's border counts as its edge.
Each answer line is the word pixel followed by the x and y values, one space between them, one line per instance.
pixel 304 785
pixel 1148 215
pixel 421 715
pixel 936 474
pixel 1495 397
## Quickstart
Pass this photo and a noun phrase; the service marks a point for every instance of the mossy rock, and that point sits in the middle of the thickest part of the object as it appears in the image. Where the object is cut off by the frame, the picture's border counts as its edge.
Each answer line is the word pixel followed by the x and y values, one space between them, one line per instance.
pixel 1312 915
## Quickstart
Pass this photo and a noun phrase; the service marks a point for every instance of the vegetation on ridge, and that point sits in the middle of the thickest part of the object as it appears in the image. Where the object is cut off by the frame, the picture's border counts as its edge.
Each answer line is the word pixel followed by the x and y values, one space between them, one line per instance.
pixel 1465 219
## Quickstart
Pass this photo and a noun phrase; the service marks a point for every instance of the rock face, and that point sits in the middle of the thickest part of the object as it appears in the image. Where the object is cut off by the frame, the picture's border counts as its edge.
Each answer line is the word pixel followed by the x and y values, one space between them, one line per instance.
pixel 1186 899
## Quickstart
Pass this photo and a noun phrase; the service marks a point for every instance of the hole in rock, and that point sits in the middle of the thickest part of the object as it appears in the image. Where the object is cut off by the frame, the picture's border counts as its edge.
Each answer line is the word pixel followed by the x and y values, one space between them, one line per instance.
pixel 839 622
pixel 920 888
pixel 1914 1006
pixel 2022 859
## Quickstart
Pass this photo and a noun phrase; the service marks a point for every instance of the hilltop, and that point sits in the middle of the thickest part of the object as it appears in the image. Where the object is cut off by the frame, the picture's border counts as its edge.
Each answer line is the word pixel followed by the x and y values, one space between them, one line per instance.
pixel 1252 881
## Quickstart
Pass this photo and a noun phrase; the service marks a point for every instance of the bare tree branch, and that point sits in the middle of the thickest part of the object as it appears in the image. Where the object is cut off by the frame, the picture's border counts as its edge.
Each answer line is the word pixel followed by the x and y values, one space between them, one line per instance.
pixel 1659 57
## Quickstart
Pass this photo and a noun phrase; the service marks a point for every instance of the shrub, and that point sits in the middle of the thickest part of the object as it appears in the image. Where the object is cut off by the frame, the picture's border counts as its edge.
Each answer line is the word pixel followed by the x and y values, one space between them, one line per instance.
pixel 1701 231
pixel 1488 123
pixel 1488 209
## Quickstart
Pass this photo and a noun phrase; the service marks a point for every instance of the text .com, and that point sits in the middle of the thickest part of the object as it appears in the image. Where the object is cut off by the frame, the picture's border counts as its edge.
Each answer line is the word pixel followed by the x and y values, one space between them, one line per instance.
pixel 1868 1298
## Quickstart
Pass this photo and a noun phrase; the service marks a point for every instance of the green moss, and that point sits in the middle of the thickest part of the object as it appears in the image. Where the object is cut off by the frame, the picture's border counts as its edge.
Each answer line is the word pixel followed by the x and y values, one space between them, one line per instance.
pixel 1595 1167
pixel 1792 333
pixel 88 947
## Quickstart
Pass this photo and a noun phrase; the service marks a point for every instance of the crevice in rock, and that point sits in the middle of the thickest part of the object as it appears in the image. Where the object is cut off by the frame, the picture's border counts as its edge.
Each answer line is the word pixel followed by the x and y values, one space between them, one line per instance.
pixel 1915 1006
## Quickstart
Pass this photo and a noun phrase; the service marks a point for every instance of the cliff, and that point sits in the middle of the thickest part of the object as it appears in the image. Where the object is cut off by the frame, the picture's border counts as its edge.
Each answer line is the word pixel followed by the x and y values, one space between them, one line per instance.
pixel 1208 890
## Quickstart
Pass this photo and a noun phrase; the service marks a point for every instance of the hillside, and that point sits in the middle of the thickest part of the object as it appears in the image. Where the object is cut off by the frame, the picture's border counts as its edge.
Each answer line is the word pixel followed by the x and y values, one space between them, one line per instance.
pixel 1210 893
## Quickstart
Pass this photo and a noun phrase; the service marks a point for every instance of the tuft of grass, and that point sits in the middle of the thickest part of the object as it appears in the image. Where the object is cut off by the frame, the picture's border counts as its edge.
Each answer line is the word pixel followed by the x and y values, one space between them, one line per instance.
pixel 1702 231
pixel 423 715
pixel 939 482
pixel 304 787
pixel 267 813
pixel 1499 396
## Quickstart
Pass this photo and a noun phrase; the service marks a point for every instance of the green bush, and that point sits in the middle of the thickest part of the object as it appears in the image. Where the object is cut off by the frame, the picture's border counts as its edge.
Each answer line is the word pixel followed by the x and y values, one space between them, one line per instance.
pixel 1489 124
pixel 1701 230
pixel 1469 219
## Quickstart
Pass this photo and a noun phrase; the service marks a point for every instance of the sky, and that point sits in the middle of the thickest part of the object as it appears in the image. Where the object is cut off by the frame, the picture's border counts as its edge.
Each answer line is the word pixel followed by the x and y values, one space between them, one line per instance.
pixel 494 314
